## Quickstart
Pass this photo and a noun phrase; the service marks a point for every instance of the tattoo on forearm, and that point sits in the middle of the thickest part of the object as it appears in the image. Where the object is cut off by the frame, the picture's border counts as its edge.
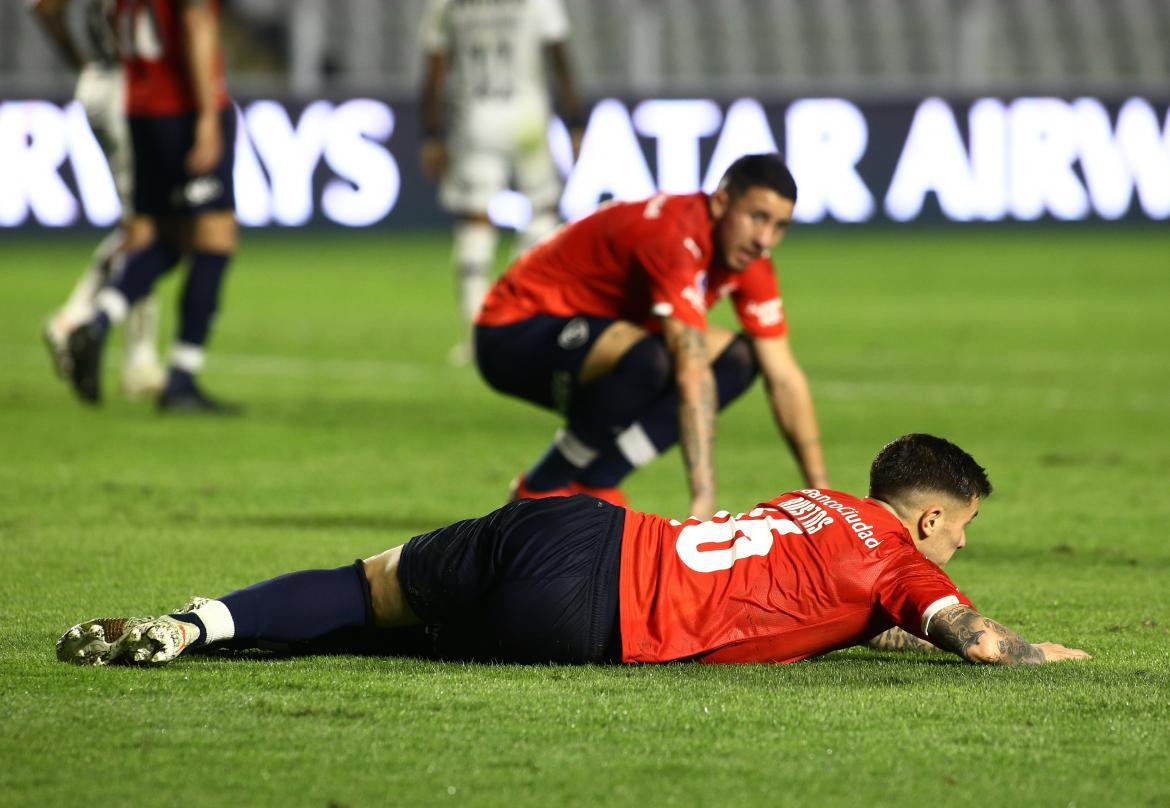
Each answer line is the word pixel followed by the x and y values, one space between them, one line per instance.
pixel 960 629
pixel 697 416
pixel 897 639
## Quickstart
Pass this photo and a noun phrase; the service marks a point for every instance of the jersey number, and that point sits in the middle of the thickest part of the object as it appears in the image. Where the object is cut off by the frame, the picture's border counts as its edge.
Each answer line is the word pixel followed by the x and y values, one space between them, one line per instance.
pixel 747 538
pixel 490 67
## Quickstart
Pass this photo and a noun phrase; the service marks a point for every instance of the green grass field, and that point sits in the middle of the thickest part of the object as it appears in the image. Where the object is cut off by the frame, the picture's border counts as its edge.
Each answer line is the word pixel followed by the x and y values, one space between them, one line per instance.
pixel 1044 353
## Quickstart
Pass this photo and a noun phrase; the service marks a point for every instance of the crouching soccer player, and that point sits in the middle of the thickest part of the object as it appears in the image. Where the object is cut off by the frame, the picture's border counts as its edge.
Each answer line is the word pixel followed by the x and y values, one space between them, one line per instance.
pixel 578 580
pixel 606 322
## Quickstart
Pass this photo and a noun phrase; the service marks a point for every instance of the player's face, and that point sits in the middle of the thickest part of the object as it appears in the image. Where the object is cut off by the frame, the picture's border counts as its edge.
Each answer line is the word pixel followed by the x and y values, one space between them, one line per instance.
pixel 749 224
pixel 947 530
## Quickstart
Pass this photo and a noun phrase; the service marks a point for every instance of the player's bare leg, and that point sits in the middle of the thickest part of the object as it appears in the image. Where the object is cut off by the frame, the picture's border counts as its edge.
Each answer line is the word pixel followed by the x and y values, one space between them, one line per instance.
pixel 389 603
pixel 473 253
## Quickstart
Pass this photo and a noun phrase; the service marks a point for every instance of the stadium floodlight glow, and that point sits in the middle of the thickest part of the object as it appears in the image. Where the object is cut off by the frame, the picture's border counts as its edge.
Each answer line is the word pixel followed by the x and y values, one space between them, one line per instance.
pixel 1042 149
pixel 370 180
pixel 745 131
pixel 826 139
pixel 510 208
pixel 611 162
pixel 677 126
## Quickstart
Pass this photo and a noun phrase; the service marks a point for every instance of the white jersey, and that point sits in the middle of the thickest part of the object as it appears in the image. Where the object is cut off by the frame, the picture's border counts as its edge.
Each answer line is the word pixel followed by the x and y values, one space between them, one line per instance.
pixel 495 54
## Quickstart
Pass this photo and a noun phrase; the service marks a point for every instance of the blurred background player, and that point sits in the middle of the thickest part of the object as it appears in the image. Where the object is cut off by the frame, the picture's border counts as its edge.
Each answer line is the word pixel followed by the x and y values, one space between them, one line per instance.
pixel 101 91
pixel 182 126
pixel 488 60
pixel 607 322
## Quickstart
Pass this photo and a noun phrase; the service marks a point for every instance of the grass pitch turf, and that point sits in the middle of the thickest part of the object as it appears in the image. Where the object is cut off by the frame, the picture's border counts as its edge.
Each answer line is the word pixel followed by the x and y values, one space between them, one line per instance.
pixel 1045 353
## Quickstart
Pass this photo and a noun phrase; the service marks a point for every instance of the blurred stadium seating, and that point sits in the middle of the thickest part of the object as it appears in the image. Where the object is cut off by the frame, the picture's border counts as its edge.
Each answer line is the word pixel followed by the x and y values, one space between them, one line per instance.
pixel 643 47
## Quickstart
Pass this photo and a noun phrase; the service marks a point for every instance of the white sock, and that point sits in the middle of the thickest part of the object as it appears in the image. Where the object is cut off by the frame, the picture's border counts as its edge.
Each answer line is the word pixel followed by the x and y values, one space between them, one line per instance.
pixel 217 620
pixel 113 303
pixel 474 252
pixel 142 332
pixel 188 357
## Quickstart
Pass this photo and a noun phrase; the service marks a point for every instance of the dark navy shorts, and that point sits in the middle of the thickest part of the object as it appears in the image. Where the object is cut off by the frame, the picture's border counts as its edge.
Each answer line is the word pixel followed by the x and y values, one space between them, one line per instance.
pixel 161 183
pixel 537 359
pixel 535 581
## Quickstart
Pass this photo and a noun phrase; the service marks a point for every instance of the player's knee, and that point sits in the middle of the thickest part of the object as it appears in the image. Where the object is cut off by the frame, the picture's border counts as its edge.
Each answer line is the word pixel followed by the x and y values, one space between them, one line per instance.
pixel 216 232
pixel 649 362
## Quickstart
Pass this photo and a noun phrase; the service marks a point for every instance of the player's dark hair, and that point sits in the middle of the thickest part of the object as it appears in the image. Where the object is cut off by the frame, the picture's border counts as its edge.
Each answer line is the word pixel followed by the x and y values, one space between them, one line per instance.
pixel 753 170
pixel 925 463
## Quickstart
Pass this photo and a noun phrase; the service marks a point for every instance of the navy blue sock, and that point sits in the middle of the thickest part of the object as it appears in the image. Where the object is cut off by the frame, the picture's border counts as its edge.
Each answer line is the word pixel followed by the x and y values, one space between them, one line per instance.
pixel 301 605
pixel 734 371
pixel 142 269
pixel 603 408
pixel 552 470
pixel 200 298
pixel 102 321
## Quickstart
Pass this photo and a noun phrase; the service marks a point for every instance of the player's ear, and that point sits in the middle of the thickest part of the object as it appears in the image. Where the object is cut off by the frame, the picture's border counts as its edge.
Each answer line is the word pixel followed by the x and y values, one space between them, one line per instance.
pixel 930 520
pixel 718 203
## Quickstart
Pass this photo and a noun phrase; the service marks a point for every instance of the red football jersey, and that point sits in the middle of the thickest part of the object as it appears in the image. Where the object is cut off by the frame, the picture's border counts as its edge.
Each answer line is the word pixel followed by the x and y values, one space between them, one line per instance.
pixel 154 53
pixel 800 575
pixel 636 261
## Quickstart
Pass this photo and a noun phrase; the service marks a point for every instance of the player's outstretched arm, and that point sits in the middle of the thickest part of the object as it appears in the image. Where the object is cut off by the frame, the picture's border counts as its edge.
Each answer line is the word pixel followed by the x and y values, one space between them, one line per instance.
pixel 897 639
pixel 963 631
pixel 697 405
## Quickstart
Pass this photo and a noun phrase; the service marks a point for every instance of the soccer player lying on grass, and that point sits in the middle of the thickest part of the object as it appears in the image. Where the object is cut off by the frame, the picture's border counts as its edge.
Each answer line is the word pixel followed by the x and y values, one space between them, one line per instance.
pixel 578 580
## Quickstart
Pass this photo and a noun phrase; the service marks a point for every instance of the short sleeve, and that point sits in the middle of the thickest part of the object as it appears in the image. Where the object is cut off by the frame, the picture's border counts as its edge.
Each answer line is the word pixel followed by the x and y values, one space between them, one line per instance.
pixel 912 590
pixel 757 301
pixel 677 281
pixel 433 30
pixel 554 21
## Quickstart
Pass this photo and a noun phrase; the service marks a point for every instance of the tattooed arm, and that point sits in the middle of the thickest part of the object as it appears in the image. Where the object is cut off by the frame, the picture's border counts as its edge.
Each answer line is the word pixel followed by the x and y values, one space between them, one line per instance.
pixel 963 631
pixel 792 406
pixel 897 639
pixel 697 404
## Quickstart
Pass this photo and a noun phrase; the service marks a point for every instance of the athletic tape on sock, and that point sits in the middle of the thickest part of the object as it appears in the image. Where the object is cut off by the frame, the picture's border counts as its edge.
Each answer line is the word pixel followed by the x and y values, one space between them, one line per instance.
pixel 187 357
pixel 636 445
pixel 576 452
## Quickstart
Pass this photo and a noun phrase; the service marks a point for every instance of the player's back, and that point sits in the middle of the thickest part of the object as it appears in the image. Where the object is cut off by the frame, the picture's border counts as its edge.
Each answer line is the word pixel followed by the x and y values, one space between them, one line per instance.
pixel 604 264
pixel 800 575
